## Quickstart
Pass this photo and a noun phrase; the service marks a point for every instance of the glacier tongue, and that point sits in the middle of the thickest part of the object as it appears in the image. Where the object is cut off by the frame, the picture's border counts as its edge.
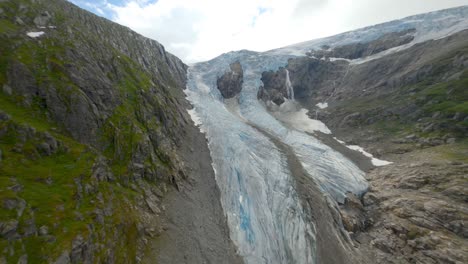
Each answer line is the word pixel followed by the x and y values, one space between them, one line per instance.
pixel 267 221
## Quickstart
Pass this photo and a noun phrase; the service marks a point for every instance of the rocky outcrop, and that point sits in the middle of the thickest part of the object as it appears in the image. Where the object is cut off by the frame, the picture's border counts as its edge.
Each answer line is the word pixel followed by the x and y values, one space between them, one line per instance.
pixel 276 86
pixel 230 83
pixel 413 211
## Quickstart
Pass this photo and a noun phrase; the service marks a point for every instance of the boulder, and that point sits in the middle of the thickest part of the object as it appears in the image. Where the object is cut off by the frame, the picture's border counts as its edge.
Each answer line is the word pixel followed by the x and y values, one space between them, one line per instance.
pixel 8 229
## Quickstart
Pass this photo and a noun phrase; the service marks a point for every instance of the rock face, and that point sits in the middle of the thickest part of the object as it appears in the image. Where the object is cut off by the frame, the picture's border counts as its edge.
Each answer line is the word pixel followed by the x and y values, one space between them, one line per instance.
pixel 276 87
pixel 230 84
pixel 93 135
pixel 412 214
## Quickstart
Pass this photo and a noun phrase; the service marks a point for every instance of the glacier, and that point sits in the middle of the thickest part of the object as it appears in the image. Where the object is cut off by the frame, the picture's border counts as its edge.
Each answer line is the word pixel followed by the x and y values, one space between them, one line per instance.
pixel 266 218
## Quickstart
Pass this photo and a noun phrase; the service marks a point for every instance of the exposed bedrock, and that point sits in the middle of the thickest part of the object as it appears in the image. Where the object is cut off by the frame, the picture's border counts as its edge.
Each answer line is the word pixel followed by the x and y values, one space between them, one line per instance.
pixel 306 75
pixel 230 84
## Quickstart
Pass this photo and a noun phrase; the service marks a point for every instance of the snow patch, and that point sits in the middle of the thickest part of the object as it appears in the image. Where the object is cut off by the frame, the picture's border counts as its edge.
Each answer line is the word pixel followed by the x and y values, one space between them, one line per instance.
pixel 322 105
pixel 375 161
pixel 195 118
pixel 340 141
pixel 338 59
pixel 35 34
pixel 298 119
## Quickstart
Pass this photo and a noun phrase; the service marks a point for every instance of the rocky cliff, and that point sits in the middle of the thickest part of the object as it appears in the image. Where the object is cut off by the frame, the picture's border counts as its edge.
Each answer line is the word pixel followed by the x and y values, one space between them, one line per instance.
pixel 94 135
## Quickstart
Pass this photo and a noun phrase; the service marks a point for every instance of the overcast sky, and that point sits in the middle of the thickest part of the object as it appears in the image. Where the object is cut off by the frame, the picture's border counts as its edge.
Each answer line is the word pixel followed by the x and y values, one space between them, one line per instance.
pixel 198 30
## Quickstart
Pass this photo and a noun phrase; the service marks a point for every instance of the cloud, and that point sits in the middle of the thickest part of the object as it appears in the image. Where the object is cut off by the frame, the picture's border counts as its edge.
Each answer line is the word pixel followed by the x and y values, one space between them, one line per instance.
pixel 197 30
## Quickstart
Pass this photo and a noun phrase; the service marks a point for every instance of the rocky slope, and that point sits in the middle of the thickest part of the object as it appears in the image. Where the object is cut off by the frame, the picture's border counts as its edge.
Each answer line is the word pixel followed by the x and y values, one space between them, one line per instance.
pixel 94 136
pixel 408 107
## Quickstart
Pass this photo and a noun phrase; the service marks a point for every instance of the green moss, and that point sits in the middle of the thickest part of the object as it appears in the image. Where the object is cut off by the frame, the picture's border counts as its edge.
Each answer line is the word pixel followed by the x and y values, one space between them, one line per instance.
pixel 7 26
pixel 25 116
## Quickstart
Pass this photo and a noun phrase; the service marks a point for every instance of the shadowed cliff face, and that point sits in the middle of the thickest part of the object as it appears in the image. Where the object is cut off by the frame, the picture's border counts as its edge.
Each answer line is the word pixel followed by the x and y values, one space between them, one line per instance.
pixel 94 134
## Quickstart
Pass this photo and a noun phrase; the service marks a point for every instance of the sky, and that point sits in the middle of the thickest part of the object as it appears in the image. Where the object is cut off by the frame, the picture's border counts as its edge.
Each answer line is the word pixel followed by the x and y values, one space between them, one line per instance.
pixel 198 30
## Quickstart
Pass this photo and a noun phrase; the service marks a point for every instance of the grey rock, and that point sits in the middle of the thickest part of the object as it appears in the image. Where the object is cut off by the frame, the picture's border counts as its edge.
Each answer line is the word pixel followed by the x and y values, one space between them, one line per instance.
pixel 157 192
pixel 274 87
pixel 429 128
pixel 29 228
pixel 152 205
pixel 43 231
pixel 64 258
pixel 81 251
pixel 99 216
pixel 43 19
pixel 4 116
pixel 138 166
pixel 451 140
pixel 44 149
pixel 8 229
pixel 230 83
pixel 23 259
pixel 19 21
pixel 436 115
pixel 15 203
pixel 459 116
pixel 7 89
pixel 51 141
pixel 101 170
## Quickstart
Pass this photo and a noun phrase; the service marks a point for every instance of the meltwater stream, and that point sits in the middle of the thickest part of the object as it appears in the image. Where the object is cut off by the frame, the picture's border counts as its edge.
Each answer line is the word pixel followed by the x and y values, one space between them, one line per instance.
pixel 266 220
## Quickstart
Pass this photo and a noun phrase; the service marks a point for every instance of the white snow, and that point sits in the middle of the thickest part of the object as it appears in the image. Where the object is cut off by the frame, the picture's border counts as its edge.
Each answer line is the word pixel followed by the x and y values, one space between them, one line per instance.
pixel 375 161
pixel 340 141
pixel 195 118
pixel 302 122
pixel 322 105
pixel 291 114
pixel 379 162
pixel 338 59
pixel 35 34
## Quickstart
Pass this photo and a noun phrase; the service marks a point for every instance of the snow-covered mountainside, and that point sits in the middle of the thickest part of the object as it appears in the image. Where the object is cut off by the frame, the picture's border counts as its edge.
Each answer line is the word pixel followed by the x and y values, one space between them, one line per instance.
pixel 434 25
pixel 251 142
